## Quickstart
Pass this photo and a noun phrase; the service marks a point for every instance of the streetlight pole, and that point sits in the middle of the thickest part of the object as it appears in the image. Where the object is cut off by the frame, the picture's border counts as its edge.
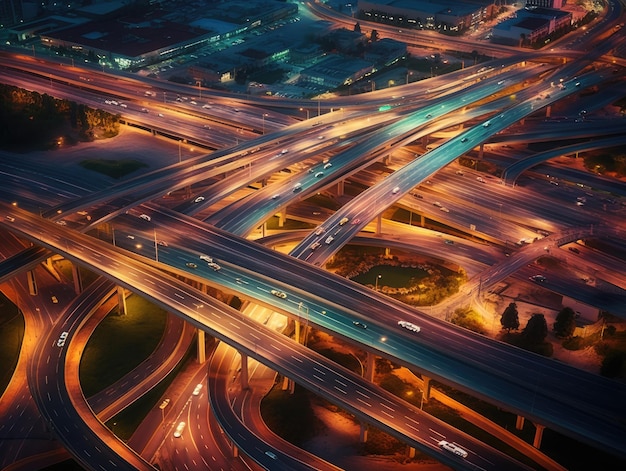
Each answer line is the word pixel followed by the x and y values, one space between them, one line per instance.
pixel 264 115
pixel 377 278
pixel 307 112
pixel 180 157
pixel 156 247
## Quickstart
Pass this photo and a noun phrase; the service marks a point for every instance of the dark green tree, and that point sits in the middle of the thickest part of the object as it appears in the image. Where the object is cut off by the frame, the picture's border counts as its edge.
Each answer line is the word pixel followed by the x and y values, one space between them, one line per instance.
pixel 357 27
pixel 374 35
pixel 536 329
pixel 510 318
pixel 565 323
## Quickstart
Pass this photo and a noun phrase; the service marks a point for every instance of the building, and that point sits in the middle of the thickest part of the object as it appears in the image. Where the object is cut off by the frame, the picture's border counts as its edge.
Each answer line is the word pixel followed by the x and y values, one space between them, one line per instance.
pixel 336 70
pixel 530 26
pixel 427 14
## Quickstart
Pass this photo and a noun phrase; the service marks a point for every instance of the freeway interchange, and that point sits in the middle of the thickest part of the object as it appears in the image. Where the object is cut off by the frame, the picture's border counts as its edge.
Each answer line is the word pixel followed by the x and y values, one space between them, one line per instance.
pixel 527 385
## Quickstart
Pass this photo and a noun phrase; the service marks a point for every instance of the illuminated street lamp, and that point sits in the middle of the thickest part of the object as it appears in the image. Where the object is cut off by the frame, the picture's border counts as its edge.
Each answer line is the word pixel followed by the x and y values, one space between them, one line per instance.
pixel 307 112
pixel 377 278
pixel 264 115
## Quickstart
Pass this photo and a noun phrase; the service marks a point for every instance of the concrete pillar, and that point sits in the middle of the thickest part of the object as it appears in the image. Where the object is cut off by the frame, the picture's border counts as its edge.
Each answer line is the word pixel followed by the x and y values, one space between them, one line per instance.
pixel 411 452
pixel 481 150
pixel 387 252
pixel 538 435
pixel 363 433
pixel 297 332
pixel 548 111
pixel 201 347
pixel 32 283
pixel 341 187
pixel 121 300
pixel 282 217
pixel 244 371
pixel 288 384
pixel 426 388
pixel 379 224
pixel 519 423
pixel 370 366
pixel 78 281
pixel 235 451
pixel 387 159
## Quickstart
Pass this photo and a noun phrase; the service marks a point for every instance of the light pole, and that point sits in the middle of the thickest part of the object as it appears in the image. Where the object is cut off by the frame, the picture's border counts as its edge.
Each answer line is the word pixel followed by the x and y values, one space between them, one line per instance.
pixel 180 158
pixel 264 115
pixel 199 83
pixel 156 247
pixel 307 112
pixel 377 278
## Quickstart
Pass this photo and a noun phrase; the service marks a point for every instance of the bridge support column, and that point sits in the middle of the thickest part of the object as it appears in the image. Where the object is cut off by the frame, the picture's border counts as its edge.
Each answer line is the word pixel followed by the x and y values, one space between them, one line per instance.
pixel 341 188
pixel 387 252
pixel 201 346
pixel 379 224
pixel 538 435
pixel 121 301
pixel 548 111
pixel 370 366
pixel 481 151
pixel 244 371
pixel 519 423
pixel 299 331
pixel 282 217
pixel 425 388
pixel 411 452
pixel 78 281
pixel 235 451
pixel 363 432
pixel 387 159
pixel 32 282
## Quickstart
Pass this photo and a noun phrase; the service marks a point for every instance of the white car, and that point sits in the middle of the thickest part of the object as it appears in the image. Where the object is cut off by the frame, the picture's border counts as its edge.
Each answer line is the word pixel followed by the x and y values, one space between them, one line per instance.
pixel 343 221
pixel 145 217
pixel 199 199
pixel 179 429
pixel 206 258
pixel 395 190
pixel 409 326
pixel 279 294
pixel 457 450
pixel 197 389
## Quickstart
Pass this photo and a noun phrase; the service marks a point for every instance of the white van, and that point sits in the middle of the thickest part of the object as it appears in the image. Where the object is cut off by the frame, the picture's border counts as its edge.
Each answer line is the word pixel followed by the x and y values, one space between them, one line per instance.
pixel 457 450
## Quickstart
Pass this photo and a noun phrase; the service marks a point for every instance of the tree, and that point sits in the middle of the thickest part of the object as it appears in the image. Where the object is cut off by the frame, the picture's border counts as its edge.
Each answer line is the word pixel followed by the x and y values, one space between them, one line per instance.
pixel 374 35
pixel 357 27
pixel 536 329
pixel 510 318
pixel 565 323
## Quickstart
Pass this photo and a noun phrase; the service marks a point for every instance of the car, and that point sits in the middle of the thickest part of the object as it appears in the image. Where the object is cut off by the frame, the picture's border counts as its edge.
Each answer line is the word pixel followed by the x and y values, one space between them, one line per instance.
pixel 130 236
pixel 327 165
pixel 360 324
pixel 164 404
pixel 191 265
pixel 395 190
pixel 418 196
pixel 10 218
pixel 206 107
pixel 179 429
pixel 271 455
pixel 214 266
pixel 329 239
pixel 197 389
pixel 355 221
pixel 297 186
pixel 320 230
pixel 486 124
pixel 480 179
pixel 160 115
pixel 193 102
pixel 279 294
pixel 451 447
pixel 162 243
pixel 54 299
pixel 448 242
pixel 538 278
pixel 315 245
pixel 145 217
pixel 554 182
pixel 276 196
pixel 460 172
pixel 319 174
pixel 284 151
pixel 444 209
pixel 464 139
pixel 409 326
pixel 206 258
pixel 144 110
pixel 343 221
pixel 61 222
pixel 62 339
pixel 199 199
